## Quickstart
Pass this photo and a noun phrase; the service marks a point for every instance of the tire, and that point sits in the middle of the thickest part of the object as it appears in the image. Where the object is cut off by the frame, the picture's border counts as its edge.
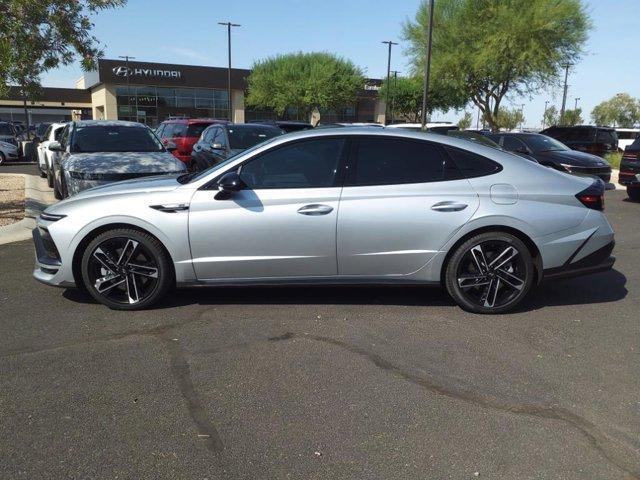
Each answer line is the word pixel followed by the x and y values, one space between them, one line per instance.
pixel 2 158
pixel 496 289
pixel 634 193
pixel 56 190
pixel 49 177
pixel 127 288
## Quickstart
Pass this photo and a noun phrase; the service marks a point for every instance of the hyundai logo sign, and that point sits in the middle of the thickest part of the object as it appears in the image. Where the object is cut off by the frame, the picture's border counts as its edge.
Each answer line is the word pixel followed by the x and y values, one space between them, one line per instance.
pixel 124 71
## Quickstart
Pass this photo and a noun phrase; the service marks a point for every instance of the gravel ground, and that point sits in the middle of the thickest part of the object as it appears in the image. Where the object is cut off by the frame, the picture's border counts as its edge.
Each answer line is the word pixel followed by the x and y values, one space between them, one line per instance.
pixel 11 199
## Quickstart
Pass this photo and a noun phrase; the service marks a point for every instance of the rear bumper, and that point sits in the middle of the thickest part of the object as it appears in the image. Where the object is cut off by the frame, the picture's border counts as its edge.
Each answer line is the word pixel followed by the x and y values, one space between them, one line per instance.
pixel 597 261
pixel 628 179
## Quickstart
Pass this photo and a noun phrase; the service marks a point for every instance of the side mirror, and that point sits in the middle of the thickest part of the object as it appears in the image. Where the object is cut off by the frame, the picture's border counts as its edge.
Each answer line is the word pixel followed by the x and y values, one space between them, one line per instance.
pixel 55 147
pixel 228 184
pixel 216 146
pixel 170 146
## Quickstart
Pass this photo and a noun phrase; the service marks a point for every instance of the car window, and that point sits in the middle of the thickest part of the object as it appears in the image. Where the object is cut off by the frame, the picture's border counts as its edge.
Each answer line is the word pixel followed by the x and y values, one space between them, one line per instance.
pixel 159 130
pixel 305 164
pixel 572 134
pixel 472 165
pixel 47 133
pixel 196 129
pixel 512 144
pixel 57 134
pixel 209 134
pixel 64 137
pixel 174 130
pixel 605 136
pixel 389 161
pixel 543 143
pixel 114 138
pixel 5 129
pixel 243 137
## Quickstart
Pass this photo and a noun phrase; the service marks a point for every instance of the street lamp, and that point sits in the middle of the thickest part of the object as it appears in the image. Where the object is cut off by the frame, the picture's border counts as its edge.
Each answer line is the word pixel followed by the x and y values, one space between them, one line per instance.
pixel 126 65
pixel 427 67
pixel 229 25
pixel 564 92
pixel 386 100
pixel 393 97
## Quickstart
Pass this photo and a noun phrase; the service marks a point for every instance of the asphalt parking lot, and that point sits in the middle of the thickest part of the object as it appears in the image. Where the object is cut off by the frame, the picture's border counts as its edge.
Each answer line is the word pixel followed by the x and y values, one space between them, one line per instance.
pixel 326 382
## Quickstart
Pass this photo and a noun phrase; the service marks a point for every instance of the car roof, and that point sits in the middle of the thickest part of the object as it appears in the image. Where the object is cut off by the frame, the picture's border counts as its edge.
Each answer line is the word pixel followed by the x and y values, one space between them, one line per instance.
pixel 567 127
pixel 190 121
pixel 96 123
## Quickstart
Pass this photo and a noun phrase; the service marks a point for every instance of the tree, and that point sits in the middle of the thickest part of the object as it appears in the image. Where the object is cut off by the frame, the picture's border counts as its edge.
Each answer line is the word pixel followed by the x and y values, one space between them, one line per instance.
pixel 486 49
pixel 550 116
pixel 508 119
pixel 622 110
pixel 465 121
pixel 573 117
pixel 305 81
pixel 37 36
pixel 405 97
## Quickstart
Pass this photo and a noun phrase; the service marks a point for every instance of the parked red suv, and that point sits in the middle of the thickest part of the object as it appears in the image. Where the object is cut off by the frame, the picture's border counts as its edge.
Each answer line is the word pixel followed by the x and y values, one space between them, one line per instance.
pixel 184 132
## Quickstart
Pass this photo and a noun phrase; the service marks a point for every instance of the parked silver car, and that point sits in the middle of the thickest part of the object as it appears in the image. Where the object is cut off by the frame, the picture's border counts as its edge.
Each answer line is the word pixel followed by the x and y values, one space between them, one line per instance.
pixel 91 153
pixel 344 206
pixel 8 152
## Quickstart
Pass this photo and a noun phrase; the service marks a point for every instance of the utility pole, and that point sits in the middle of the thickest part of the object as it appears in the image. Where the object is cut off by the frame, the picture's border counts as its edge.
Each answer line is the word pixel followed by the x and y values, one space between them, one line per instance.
pixel 229 25
pixel 393 97
pixel 564 93
pixel 427 67
pixel 126 64
pixel 386 100
pixel 478 120
pixel 522 115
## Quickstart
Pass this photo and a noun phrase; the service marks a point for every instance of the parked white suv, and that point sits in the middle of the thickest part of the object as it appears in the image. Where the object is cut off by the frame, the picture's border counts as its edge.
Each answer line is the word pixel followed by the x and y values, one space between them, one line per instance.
pixel 45 156
pixel 626 136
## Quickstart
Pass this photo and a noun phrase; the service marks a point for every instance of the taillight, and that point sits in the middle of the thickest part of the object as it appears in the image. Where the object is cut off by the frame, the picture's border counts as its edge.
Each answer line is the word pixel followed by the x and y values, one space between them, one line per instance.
pixel 631 156
pixel 592 196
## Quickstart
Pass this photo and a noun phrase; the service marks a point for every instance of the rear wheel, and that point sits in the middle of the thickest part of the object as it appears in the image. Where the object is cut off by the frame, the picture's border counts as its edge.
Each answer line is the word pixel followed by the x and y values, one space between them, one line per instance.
pixel 634 193
pixel 126 269
pixel 490 273
pixel 57 193
pixel 49 177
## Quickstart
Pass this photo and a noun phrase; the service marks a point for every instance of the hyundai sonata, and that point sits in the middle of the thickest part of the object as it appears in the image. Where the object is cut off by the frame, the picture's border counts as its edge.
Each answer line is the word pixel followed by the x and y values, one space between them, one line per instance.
pixel 341 206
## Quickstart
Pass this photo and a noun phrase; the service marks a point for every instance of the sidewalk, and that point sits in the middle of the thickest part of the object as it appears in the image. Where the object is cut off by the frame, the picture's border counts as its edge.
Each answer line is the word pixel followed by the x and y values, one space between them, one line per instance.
pixel 37 197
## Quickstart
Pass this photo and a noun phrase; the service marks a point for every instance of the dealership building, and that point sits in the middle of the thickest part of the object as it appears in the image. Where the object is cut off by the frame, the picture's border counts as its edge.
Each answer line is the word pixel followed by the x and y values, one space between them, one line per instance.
pixel 152 92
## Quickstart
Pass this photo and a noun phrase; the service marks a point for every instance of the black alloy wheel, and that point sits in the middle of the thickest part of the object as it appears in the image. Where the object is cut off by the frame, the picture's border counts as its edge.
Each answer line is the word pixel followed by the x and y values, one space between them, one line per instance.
pixel 126 269
pixel 490 273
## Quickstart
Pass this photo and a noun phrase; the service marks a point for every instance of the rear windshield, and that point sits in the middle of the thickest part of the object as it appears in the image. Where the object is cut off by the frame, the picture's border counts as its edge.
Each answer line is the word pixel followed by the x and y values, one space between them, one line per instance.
pixel 627 135
pixel 572 134
pixel 241 138
pixel 5 129
pixel 114 138
pixel 196 129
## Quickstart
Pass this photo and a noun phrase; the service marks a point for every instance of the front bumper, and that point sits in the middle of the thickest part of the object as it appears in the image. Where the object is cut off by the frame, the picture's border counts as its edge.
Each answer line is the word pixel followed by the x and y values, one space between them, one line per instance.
pixel 47 260
pixel 598 261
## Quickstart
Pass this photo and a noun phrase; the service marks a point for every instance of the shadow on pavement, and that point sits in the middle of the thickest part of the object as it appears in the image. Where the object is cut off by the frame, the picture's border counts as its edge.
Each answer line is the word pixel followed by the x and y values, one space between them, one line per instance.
pixel 599 288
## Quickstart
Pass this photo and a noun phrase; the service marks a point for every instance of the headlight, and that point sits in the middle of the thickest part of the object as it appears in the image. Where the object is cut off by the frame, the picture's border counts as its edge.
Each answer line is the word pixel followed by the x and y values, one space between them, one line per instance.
pixel 51 217
pixel 87 176
pixel 567 167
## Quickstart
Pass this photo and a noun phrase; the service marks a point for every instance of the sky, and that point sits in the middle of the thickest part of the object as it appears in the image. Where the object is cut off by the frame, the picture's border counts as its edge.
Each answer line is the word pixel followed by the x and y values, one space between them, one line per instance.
pixel 187 33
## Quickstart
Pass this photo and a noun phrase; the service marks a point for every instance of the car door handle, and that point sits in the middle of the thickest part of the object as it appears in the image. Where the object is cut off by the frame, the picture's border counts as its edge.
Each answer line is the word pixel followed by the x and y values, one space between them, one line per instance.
pixel 448 206
pixel 315 209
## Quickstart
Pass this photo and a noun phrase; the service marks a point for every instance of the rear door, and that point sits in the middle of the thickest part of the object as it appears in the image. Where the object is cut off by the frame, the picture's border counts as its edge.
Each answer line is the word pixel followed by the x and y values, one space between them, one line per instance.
pixel 403 198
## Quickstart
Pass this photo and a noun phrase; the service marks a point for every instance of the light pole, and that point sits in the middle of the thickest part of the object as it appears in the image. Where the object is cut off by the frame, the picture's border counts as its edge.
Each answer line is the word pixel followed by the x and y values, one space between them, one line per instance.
pixel 393 97
pixel 229 25
pixel 427 67
pixel 564 93
pixel 126 65
pixel 575 107
pixel 544 114
pixel 386 100
pixel 521 115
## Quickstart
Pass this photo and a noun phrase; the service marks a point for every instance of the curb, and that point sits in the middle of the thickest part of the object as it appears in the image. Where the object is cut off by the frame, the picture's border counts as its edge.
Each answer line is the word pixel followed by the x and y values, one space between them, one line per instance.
pixel 37 197
pixel 614 180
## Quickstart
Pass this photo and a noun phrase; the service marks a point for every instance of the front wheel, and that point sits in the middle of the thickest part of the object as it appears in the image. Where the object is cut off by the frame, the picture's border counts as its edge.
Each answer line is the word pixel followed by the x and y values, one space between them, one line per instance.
pixel 634 193
pixel 126 269
pixel 2 158
pixel 490 273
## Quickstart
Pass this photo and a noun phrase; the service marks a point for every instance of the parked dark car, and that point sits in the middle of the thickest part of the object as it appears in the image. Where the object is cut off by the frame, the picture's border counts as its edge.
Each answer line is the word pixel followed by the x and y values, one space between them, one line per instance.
pixel 8 133
pixel 586 138
pixel 551 153
pixel 630 169
pixel 219 142
pixel 287 126
pixel 473 137
pixel 184 133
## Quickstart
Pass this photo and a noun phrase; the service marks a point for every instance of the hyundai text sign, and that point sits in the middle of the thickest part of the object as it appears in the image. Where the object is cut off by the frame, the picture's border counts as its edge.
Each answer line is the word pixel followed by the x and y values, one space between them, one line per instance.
pixel 124 71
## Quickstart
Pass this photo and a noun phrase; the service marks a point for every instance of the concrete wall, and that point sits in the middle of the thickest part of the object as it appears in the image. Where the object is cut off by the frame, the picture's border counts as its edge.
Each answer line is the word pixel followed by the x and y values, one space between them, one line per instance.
pixel 104 103
pixel 379 114
pixel 237 102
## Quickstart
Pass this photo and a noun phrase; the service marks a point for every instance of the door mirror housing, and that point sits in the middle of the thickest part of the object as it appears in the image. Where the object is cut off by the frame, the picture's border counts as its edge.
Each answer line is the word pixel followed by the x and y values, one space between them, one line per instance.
pixel 228 184
pixel 55 147
pixel 217 146
pixel 170 146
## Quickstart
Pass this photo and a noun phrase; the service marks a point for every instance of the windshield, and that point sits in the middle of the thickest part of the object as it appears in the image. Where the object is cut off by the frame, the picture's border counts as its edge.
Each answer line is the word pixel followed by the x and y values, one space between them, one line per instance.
pixel 42 127
pixel 192 177
pixel 5 129
pixel 474 137
pixel 114 138
pixel 243 137
pixel 542 143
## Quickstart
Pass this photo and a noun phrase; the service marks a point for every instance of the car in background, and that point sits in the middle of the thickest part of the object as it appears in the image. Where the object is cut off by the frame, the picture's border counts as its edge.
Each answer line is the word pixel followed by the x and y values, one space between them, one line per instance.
pixel 436 127
pixel 8 152
pixel 97 152
pixel 626 137
pixel 287 126
pixel 350 124
pixel 8 133
pixel 630 169
pixel 474 137
pixel 586 138
pixel 354 205
pixel 550 152
pixel 39 130
pixel 45 156
pixel 184 133
pixel 219 142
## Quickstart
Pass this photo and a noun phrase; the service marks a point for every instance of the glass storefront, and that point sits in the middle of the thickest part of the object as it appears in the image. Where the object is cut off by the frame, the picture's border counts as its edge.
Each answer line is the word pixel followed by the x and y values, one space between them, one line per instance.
pixel 151 105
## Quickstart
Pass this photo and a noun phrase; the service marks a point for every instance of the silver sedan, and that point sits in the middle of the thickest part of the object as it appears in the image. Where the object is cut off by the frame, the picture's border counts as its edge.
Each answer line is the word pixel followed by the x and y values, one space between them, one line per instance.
pixel 347 206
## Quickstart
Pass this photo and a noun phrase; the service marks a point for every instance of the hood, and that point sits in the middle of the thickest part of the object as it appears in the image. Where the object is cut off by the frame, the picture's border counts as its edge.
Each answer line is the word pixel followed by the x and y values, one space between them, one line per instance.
pixel 123 162
pixel 573 157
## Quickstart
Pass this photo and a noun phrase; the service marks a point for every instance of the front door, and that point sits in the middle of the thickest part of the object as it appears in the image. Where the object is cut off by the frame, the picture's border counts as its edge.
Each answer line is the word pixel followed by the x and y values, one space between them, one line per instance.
pixel 282 225
pixel 402 200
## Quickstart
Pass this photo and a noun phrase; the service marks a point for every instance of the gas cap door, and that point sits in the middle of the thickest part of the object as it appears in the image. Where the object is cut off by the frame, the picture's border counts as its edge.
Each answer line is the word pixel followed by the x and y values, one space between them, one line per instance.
pixel 504 194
